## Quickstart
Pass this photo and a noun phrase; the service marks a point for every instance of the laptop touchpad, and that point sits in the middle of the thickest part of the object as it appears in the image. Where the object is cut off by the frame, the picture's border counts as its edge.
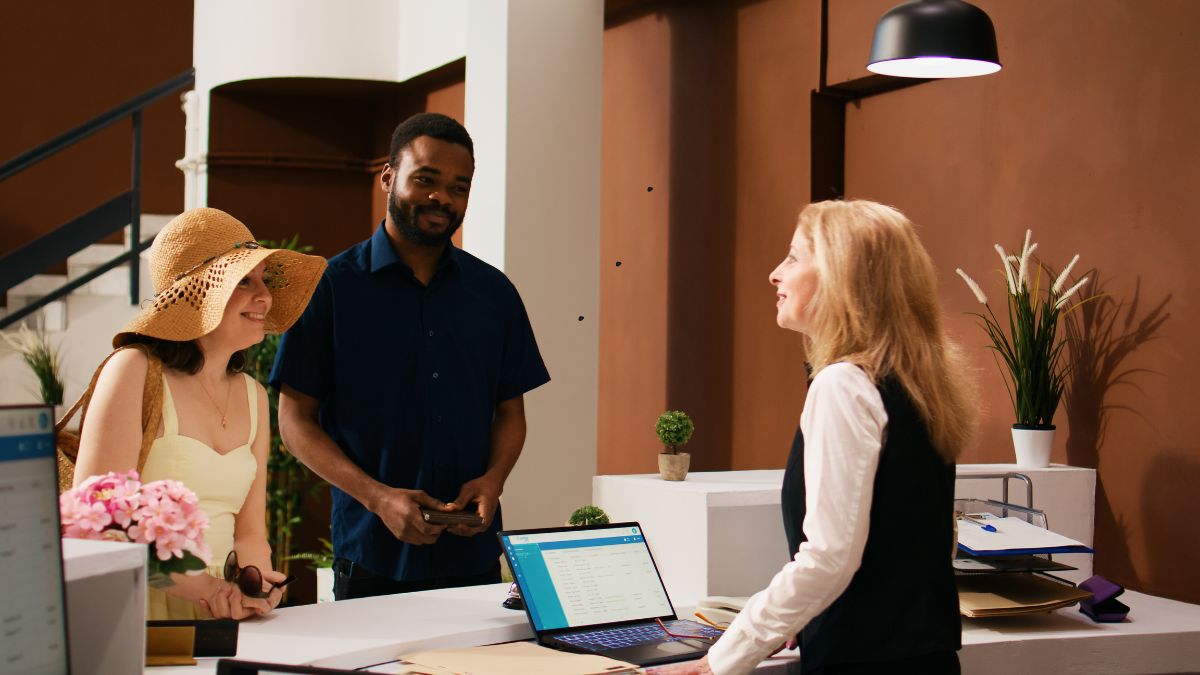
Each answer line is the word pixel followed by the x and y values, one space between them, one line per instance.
pixel 676 647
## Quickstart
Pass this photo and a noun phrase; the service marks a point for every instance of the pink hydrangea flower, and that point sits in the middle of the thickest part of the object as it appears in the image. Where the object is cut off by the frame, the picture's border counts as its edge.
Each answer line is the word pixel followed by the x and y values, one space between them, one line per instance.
pixel 163 514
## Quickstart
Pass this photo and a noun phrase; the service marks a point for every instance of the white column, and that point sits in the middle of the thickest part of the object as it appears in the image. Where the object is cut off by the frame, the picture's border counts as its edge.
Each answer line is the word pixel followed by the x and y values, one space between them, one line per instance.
pixel 533 97
pixel 193 159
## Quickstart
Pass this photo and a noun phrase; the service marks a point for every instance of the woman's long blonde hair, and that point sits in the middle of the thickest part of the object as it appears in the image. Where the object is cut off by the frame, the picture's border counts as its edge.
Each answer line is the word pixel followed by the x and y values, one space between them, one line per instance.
pixel 876 306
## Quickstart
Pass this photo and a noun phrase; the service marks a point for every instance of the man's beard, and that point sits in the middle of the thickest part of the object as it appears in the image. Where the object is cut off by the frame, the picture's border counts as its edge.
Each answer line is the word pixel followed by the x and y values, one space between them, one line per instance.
pixel 404 215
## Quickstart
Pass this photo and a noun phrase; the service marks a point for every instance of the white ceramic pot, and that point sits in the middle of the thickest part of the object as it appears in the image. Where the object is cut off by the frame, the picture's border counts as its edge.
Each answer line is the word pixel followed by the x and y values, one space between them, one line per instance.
pixel 673 467
pixel 1033 445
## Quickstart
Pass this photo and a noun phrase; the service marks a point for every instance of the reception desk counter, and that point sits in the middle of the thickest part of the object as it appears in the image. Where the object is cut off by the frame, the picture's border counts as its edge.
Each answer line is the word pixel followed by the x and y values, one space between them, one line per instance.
pixel 1161 636
pixel 720 533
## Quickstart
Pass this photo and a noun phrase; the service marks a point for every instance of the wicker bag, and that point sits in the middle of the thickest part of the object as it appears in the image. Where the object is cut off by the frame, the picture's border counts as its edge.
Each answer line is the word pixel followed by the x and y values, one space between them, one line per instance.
pixel 68 441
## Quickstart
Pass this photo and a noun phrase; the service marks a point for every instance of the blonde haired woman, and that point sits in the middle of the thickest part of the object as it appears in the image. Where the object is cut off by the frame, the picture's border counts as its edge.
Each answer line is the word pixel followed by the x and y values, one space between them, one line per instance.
pixel 869 487
pixel 217 292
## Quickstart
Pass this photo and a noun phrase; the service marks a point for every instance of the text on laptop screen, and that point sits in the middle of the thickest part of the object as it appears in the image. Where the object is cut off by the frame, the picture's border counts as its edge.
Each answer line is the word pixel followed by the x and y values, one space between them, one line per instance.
pixel 34 637
pixel 586 577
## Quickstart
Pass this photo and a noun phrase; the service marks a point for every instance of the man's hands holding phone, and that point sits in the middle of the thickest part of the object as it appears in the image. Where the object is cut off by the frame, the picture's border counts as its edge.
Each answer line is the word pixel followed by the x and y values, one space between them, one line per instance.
pixel 414 517
pixel 400 510
pixel 484 494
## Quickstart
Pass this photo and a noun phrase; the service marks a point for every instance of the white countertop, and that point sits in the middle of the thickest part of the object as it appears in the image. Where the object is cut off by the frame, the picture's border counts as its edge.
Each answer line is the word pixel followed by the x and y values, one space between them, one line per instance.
pixel 1160 636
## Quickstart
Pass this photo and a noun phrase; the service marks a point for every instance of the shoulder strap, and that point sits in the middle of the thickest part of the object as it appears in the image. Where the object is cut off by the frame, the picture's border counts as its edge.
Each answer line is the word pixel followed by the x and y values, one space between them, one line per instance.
pixel 252 397
pixel 151 401
pixel 84 399
pixel 152 393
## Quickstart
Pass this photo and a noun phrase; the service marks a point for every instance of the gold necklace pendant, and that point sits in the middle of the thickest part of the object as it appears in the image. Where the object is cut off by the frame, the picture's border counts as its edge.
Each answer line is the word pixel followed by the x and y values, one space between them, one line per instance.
pixel 228 392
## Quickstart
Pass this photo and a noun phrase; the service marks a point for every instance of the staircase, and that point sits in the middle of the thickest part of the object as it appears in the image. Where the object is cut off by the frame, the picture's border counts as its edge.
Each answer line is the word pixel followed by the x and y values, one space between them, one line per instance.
pixel 104 284
pixel 82 323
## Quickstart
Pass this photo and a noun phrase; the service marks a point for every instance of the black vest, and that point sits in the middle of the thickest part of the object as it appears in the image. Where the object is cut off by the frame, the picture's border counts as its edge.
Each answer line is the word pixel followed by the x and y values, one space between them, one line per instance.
pixel 902 602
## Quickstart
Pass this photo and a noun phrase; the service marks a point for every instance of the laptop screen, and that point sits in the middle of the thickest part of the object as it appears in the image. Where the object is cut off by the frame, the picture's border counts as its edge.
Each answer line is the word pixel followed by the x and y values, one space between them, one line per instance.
pixel 576 577
pixel 34 639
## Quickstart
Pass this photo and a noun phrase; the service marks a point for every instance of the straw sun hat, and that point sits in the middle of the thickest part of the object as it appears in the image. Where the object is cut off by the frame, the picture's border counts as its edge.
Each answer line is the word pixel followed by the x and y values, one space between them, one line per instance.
pixel 197 261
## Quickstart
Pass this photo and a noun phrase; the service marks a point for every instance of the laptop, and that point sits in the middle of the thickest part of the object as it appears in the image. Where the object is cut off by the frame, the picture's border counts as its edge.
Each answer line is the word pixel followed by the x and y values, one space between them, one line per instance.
pixel 34 614
pixel 596 590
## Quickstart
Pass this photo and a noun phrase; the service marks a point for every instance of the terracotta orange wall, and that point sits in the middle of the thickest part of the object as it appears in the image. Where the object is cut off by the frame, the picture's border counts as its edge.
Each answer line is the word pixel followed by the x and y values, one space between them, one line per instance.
pixel 635 189
pixel 63 67
pixel 707 102
pixel 1087 136
pixel 777 67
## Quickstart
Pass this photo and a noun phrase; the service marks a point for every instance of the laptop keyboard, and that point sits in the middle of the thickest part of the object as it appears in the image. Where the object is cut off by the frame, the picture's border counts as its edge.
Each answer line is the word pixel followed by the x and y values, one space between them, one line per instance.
pixel 639 634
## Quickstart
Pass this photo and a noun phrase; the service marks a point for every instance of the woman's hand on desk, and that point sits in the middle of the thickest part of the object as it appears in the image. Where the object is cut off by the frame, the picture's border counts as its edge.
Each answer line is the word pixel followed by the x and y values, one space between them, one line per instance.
pixel 229 603
pixel 699 667
pixel 220 598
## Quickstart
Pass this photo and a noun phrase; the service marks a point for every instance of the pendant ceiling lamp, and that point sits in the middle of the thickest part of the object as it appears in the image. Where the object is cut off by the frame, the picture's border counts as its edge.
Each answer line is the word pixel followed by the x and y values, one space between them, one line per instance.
pixel 934 38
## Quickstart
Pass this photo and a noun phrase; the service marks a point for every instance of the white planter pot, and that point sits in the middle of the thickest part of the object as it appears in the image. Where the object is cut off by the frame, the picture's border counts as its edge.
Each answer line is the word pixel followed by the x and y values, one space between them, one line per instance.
pixel 1033 446
pixel 324 584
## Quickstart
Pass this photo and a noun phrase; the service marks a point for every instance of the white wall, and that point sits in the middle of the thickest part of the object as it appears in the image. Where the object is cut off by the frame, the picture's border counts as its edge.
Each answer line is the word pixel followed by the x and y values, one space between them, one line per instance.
pixel 533 104
pixel 384 40
pixel 533 97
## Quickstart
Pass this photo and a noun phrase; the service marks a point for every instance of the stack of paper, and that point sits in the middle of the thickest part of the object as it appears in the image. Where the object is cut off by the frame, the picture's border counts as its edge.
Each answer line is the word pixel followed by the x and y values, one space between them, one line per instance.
pixel 965 564
pixel 986 595
pixel 1012 536
pixel 524 658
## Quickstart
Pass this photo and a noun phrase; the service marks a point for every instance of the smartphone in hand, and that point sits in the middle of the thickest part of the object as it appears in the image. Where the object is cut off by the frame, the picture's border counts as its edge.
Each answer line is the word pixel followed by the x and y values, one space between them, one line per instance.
pixel 435 517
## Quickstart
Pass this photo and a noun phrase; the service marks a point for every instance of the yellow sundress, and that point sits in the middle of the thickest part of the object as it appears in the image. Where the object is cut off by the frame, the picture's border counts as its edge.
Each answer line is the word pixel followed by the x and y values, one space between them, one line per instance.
pixel 220 481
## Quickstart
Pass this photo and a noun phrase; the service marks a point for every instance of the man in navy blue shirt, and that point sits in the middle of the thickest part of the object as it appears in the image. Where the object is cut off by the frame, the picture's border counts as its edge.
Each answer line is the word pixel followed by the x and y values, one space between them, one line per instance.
pixel 402 385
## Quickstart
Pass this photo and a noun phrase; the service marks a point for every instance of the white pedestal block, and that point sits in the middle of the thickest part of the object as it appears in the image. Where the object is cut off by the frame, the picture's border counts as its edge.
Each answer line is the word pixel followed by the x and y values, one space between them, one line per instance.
pixel 716 533
pixel 721 533
pixel 106 606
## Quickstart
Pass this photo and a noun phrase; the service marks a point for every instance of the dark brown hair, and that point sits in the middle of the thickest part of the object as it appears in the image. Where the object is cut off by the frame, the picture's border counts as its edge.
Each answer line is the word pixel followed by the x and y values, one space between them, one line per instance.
pixel 183 356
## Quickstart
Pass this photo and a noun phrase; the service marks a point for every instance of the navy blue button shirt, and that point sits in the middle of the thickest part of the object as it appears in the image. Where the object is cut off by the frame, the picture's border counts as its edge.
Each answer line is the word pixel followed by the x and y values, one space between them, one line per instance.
pixel 409 377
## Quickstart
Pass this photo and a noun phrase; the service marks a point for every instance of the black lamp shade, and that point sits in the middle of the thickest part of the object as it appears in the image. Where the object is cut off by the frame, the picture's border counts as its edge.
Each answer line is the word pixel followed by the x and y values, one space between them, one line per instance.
pixel 934 38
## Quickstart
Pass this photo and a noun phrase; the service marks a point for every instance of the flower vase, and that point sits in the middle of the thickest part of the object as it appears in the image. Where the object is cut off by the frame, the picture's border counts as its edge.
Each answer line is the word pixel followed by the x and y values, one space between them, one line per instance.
pixel 1033 444
pixel 158 578
pixel 673 466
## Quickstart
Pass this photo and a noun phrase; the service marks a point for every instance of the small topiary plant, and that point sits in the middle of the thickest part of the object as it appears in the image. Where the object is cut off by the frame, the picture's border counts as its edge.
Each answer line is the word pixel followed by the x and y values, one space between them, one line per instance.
pixel 588 515
pixel 674 429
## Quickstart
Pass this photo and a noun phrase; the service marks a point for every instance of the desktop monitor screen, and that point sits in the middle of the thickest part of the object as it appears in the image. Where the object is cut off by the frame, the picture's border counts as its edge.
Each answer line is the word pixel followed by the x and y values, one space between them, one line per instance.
pixel 33 627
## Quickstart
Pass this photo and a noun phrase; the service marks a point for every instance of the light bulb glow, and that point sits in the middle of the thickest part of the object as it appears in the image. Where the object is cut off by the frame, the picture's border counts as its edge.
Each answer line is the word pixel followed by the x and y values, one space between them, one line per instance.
pixel 933 67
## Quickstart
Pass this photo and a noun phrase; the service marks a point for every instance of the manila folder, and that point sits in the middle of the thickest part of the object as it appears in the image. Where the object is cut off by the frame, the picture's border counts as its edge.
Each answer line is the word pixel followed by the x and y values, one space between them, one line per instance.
pixel 525 658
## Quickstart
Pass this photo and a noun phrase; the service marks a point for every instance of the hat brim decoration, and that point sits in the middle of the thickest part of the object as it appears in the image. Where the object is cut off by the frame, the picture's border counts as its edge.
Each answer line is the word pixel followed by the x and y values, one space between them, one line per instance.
pixel 190 299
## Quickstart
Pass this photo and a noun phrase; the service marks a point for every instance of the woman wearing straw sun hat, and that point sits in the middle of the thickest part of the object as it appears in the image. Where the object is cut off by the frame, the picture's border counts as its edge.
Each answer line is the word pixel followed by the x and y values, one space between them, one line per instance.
pixel 217 292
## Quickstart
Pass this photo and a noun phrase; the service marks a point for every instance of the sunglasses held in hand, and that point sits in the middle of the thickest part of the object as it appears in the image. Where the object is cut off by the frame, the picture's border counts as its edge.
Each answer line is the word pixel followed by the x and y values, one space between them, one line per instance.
pixel 249 579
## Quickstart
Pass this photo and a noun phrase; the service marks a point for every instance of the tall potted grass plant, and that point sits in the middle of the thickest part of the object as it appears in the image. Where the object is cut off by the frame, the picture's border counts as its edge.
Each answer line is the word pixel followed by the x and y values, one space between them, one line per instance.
pixel 44 359
pixel 1027 345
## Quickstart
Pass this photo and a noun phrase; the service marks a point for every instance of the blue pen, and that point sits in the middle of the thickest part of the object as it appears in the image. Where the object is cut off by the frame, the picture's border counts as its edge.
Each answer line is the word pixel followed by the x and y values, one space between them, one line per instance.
pixel 982 525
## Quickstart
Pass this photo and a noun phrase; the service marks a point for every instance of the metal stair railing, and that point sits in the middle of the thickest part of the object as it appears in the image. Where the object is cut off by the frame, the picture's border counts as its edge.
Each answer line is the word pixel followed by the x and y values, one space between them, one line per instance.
pixel 95 224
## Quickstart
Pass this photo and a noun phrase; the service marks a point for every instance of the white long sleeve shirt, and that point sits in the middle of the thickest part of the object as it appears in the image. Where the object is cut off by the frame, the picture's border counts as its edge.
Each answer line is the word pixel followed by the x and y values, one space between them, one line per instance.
pixel 843 424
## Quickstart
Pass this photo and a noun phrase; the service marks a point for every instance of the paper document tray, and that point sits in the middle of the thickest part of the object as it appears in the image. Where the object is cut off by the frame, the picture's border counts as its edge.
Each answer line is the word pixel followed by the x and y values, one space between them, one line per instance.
pixel 1005 554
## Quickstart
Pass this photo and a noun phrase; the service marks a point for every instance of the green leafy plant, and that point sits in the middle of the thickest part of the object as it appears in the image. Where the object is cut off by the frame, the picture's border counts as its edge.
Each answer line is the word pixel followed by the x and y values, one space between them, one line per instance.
pixel 288 480
pixel 588 515
pixel 674 429
pixel 317 559
pixel 43 358
pixel 1028 342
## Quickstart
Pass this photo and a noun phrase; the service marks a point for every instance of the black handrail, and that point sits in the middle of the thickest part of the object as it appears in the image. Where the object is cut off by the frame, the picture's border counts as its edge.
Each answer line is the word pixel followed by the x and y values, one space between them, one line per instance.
pixel 33 156
pixel 96 223
pixel 130 256
pixel 81 231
